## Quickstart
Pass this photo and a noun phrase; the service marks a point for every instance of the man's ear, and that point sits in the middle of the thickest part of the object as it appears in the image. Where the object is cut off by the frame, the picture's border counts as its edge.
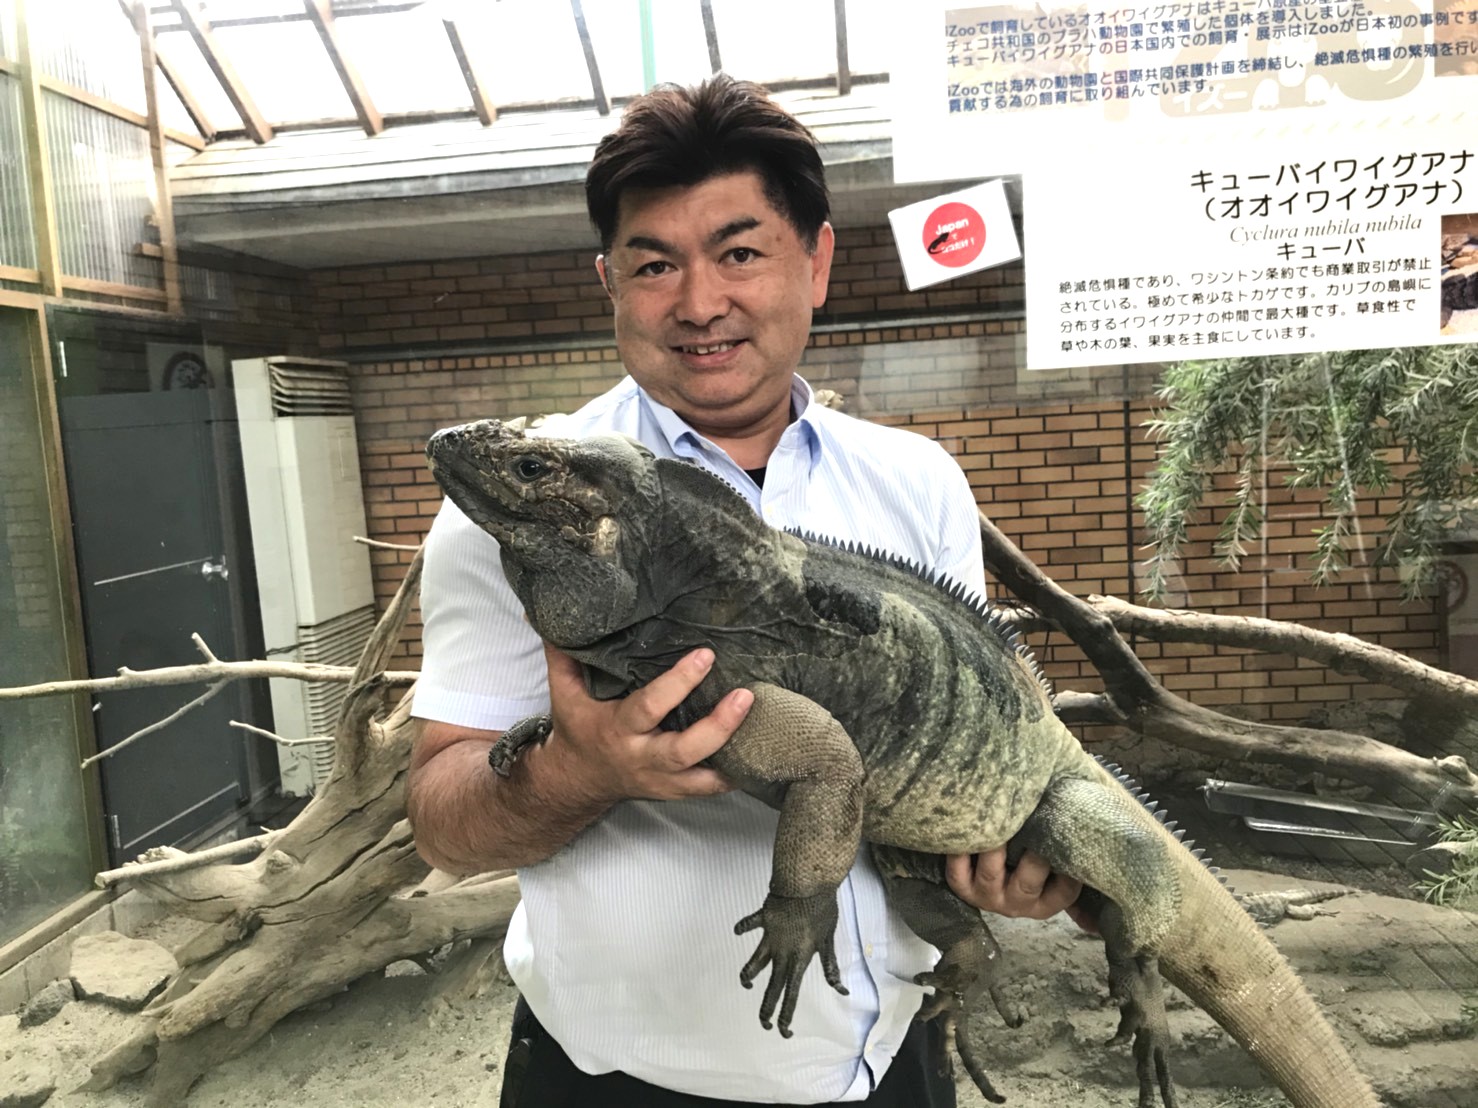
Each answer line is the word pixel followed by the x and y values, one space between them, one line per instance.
pixel 605 276
pixel 821 264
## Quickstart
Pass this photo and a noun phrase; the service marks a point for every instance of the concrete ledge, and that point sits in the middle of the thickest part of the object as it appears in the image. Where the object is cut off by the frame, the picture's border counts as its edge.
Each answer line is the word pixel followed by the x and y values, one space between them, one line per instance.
pixel 44 953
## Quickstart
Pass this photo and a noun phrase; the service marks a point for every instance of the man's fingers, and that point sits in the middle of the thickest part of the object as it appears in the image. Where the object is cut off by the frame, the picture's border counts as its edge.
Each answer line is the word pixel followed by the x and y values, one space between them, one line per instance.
pixel 648 706
pixel 683 749
pixel 1029 877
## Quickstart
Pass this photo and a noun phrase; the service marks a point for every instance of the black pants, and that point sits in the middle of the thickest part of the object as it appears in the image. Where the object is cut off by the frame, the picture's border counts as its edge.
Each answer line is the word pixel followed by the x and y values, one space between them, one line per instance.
pixel 540 1075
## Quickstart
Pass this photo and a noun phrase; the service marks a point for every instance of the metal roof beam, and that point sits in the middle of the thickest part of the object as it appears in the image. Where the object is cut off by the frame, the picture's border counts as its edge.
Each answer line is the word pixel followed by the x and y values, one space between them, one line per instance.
pixel 203 33
pixel 321 12
pixel 486 110
pixel 344 12
pixel 602 103
pixel 710 32
pixel 844 71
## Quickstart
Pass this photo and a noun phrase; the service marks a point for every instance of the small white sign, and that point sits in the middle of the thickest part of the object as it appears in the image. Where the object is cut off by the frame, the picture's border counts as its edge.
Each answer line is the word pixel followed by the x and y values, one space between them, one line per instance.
pixel 955 234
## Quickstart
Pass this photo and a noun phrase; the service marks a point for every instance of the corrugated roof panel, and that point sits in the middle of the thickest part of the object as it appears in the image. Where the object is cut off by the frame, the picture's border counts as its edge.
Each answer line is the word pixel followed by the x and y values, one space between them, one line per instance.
pixel 17 243
pixel 88 44
pixel 529 50
pixel 405 60
pixel 180 51
pixel 7 29
pixel 776 40
pixel 104 182
pixel 286 70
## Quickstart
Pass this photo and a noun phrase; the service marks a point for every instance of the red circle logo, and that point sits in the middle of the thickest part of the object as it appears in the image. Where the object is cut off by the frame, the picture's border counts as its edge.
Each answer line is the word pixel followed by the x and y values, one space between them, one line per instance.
pixel 954 234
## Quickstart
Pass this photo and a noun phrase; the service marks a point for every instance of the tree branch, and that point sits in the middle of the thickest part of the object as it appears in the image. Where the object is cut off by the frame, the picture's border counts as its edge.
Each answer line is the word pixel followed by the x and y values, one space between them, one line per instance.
pixel 1148 708
pixel 1340 652
pixel 163 860
pixel 278 739
pixel 155 726
pixel 199 674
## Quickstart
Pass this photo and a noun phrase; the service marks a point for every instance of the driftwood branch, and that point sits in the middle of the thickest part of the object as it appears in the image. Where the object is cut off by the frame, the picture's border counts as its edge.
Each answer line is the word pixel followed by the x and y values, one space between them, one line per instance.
pixel 165 860
pixel 199 674
pixel 1340 652
pixel 377 544
pixel 1141 703
pixel 278 739
pixel 157 725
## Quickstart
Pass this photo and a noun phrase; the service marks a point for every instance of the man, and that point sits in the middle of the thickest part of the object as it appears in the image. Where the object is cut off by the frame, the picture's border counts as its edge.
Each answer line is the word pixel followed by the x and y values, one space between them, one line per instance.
pixel 635 859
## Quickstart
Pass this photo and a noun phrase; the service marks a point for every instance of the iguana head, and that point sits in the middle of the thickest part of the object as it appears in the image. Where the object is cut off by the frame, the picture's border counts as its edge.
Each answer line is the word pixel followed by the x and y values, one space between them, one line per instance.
pixel 559 509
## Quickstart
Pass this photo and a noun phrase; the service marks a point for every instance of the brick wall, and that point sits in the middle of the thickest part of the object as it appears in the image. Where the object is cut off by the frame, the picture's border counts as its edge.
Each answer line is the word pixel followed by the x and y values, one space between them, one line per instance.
pixel 481 301
pixel 1052 456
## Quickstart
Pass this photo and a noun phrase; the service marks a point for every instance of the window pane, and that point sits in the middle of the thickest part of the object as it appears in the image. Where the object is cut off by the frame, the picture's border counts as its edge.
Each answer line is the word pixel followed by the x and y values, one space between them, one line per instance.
pixel 44 856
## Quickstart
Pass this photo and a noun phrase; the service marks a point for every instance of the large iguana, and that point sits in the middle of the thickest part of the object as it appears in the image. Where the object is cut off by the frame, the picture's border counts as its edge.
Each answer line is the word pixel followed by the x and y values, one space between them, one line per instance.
pixel 887 707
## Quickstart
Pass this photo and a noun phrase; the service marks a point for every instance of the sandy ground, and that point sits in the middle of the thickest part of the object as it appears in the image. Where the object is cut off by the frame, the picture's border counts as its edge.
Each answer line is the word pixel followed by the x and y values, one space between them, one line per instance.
pixel 1394 975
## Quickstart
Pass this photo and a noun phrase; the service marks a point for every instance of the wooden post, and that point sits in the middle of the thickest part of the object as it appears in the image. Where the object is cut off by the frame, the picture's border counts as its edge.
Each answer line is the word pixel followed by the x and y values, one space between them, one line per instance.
pixel 38 161
pixel 321 12
pixel 163 203
pixel 201 31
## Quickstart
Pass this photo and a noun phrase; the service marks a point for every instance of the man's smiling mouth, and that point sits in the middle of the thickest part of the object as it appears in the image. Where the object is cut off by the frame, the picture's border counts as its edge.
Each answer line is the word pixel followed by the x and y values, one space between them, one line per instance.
pixel 715 348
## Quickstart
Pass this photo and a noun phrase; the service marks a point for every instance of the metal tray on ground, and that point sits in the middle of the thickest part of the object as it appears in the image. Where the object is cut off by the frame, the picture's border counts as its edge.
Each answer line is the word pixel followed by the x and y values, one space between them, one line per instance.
pixel 1284 822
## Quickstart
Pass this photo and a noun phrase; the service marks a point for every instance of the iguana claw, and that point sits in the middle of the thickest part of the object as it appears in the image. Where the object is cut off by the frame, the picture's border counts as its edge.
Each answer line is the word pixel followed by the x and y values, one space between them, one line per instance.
pixel 534 729
pixel 794 928
pixel 1135 985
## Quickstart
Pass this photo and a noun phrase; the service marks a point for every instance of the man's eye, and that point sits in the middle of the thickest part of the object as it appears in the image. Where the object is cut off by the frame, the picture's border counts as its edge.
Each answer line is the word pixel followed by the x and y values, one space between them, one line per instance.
pixel 743 254
pixel 653 269
pixel 529 469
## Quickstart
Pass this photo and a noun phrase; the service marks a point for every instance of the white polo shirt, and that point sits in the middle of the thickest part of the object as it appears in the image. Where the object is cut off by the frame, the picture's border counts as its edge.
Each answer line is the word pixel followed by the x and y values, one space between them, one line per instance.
pixel 624 943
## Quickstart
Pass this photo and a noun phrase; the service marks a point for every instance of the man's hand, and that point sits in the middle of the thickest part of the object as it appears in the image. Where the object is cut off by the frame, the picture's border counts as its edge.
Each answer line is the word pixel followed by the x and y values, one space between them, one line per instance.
pixel 615 748
pixel 1030 891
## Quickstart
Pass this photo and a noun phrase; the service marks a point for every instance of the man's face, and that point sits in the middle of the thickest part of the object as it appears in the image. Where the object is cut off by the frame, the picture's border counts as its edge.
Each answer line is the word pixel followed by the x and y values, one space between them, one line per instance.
pixel 713 291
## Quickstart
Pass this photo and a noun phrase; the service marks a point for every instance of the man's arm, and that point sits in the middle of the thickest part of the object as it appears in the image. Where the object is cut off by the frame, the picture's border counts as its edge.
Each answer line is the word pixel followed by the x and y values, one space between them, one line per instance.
pixel 467 819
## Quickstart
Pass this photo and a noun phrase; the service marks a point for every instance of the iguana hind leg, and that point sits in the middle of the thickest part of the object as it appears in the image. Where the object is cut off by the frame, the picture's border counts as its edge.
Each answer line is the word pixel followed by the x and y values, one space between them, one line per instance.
pixel 966 971
pixel 1135 985
pixel 789 745
pixel 1096 832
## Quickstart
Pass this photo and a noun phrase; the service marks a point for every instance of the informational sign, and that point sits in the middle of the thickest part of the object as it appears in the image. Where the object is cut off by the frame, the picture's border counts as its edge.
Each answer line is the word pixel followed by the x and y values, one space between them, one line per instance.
pixel 1212 177
pixel 956 234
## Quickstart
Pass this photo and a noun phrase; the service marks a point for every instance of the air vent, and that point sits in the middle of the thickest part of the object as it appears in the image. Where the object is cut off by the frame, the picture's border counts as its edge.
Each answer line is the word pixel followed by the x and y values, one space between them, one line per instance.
pixel 335 642
pixel 309 389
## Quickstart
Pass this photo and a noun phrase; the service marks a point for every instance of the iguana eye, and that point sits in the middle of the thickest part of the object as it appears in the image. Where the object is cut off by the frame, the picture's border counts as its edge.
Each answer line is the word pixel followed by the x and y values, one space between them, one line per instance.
pixel 529 469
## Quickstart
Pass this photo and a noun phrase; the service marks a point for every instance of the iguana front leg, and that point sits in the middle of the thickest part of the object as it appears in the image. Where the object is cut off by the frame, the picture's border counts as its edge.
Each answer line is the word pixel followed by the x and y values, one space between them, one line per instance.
pixel 789 744
pixel 530 731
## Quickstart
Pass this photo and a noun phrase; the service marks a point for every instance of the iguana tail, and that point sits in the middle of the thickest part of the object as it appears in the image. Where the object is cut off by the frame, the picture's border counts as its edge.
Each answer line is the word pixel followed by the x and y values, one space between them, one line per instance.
pixel 1165 911
pixel 1217 955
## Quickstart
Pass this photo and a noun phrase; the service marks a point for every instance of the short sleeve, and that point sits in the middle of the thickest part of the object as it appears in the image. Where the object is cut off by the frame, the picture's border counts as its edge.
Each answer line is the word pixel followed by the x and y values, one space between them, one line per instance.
pixel 959 555
pixel 483 664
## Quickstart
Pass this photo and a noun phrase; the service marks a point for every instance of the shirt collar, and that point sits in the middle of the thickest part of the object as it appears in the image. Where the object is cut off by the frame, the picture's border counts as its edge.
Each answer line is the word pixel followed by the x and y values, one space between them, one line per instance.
pixel 684 442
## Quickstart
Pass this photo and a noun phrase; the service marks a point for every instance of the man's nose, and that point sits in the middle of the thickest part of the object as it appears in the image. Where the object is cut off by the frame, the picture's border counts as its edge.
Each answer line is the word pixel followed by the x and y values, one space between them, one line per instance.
pixel 702 296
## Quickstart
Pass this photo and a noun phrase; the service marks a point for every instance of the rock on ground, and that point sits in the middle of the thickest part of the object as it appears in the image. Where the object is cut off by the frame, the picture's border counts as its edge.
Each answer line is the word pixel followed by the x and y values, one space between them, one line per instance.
pixel 48 1002
pixel 1392 974
pixel 117 970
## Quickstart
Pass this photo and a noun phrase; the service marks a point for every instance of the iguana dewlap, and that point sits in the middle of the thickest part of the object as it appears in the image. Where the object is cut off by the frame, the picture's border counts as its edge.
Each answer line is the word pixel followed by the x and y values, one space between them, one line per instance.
pixel 888 708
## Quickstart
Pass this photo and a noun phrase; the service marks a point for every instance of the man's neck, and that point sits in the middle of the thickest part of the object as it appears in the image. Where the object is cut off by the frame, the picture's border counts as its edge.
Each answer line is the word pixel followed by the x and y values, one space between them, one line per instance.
pixel 752 448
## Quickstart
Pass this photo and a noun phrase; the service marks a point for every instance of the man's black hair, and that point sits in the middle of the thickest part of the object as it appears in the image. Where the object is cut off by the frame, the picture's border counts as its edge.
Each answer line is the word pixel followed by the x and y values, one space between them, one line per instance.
pixel 678 136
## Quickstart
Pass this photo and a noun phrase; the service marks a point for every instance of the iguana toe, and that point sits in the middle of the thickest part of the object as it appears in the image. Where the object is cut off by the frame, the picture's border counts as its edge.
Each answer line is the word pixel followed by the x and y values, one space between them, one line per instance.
pixel 534 729
pixel 794 929
pixel 1135 985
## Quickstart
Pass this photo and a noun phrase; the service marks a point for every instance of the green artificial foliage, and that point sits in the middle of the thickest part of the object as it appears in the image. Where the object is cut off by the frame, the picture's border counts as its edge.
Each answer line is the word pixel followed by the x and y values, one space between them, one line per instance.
pixel 1457 888
pixel 1342 422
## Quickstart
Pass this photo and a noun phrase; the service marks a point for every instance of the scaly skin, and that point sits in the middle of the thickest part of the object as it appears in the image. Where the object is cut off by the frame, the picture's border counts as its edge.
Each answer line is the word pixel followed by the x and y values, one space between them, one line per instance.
pixel 887 709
